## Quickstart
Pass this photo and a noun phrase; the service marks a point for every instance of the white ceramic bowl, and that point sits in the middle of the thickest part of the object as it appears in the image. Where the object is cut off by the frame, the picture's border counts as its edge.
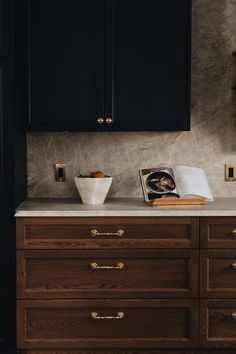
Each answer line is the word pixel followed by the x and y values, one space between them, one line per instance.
pixel 93 190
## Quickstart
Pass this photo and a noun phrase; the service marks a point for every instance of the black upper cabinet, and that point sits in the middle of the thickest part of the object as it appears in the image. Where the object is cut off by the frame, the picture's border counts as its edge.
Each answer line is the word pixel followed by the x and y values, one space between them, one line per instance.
pixel 126 62
pixel 66 64
pixel 150 56
pixel 4 26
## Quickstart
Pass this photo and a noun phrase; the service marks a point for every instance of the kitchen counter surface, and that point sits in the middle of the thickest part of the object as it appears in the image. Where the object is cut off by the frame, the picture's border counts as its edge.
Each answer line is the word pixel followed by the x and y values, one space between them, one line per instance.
pixel 121 207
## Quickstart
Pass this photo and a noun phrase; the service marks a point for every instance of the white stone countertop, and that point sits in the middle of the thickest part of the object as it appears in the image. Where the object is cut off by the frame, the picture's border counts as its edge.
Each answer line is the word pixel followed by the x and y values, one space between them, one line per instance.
pixel 121 207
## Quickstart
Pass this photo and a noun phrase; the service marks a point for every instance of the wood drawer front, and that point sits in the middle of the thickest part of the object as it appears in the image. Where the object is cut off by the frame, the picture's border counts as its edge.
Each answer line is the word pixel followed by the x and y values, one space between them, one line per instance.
pixel 69 324
pixel 217 325
pixel 72 233
pixel 218 274
pixel 76 274
pixel 217 232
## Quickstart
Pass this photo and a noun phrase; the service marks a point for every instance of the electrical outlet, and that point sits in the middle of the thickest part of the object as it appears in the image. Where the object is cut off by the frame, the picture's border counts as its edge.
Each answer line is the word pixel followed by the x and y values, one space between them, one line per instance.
pixel 60 172
pixel 230 172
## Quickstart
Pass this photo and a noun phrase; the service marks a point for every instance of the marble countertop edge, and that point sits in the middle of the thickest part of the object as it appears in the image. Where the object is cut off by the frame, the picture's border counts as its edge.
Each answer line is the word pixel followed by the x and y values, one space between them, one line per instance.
pixel 124 207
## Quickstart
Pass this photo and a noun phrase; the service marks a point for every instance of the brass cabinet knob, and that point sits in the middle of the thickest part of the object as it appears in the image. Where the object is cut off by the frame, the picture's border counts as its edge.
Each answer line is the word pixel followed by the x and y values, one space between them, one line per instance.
pixel 233 232
pixel 108 120
pixel 100 120
pixel 233 314
pixel 233 265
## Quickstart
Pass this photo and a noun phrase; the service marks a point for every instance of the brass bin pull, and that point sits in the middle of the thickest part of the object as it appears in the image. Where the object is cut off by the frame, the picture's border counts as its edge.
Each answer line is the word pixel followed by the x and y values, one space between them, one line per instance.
pixel 233 265
pixel 119 316
pixel 233 314
pixel 119 233
pixel 119 266
pixel 233 232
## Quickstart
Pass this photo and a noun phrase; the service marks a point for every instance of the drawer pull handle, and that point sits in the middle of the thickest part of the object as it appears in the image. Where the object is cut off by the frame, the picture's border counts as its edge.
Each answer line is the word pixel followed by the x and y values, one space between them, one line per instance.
pixel 233 232
pixel 119 233
pixel 233 265
pixel 233 314
pixel 119 266
pixel 119 316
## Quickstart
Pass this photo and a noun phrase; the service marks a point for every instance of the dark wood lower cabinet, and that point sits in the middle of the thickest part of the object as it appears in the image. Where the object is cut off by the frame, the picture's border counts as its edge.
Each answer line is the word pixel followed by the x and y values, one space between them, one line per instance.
pixel 151 290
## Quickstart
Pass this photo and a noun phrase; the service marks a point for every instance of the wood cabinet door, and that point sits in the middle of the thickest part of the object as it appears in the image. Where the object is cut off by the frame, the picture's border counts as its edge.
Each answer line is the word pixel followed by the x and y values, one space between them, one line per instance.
pixel 106 324
pixel 4 26
pixel 149 79
pixel 66 64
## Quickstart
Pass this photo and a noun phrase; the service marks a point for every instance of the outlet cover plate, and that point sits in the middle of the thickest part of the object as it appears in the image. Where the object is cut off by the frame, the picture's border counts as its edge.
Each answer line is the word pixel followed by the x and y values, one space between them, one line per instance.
pixel 230 172
pixel 60 172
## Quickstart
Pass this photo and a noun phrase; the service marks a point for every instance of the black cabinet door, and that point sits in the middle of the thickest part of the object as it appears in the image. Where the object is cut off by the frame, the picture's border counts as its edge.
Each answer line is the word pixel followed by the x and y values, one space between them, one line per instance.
pixel 66 64
pixel 150 74
pixel 4 26
pixel 4 148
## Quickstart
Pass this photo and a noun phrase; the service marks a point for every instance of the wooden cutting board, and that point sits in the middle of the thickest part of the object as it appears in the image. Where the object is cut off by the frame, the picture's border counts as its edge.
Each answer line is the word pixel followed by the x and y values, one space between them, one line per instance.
pixel 177 201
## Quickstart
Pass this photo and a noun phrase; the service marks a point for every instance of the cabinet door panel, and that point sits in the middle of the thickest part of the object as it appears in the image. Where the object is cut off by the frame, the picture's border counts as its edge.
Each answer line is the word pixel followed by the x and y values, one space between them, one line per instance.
pixel 66 64
pixel 4 26
pixel 4 122
pixel 150 51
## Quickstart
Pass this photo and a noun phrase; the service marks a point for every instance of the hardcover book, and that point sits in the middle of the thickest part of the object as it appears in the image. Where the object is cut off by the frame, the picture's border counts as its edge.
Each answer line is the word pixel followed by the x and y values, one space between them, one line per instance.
pixel 179 182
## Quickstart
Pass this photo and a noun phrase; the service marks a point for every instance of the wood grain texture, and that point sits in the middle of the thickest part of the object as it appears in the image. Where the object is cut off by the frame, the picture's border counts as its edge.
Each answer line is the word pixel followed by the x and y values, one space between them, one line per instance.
pixel 217 326
pixel 75 233
pixel 216 232
pixel 68 274
pixel 68 324
pixel 218 277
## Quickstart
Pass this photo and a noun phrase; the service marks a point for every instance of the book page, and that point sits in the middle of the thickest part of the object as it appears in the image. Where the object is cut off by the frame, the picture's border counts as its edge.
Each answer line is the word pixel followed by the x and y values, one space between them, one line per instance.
pixel 192 181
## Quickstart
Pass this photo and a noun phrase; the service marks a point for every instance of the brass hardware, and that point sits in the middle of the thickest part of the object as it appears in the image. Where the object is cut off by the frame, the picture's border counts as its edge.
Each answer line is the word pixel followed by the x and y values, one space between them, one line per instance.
pixel 233 314
pixel 233 232
pixel 108 120
pixel 100 120
pixel 119 266
pixel 119 233
pixel 233 265
pixel 230 172
pixel 119 316
pixel 60 172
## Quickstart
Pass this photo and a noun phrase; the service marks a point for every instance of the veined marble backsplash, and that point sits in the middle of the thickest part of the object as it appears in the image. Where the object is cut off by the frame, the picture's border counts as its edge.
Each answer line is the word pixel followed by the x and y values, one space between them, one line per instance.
pixel 209 145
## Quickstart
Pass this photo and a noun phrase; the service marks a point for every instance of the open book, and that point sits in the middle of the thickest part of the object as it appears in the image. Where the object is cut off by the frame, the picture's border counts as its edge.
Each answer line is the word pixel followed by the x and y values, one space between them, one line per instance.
pixel 179 181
